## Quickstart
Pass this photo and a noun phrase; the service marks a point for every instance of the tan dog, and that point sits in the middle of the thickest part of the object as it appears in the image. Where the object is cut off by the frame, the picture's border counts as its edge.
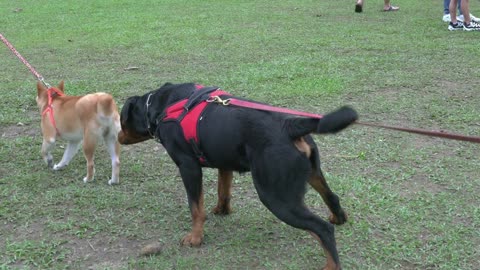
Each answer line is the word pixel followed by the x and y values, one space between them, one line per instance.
pixel 76 118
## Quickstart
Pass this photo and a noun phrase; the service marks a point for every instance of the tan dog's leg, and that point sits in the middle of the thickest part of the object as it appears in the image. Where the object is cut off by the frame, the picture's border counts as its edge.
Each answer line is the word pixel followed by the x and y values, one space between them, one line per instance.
pixel 89 143
pixel 224 193
pixel 70 152
pixel 113 147
pixel 47 146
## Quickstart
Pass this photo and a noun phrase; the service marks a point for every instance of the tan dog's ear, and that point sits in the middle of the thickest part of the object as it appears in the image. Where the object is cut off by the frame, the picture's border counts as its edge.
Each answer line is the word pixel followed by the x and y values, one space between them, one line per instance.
pixel 61 86
pixel 40 88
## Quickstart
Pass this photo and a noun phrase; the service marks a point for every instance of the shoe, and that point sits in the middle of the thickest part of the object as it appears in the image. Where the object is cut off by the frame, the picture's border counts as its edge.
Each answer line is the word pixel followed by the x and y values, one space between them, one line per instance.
pixel 358 8
pixel 472 26
pixel 446 18
pixel 391 8
pixel 455 27
pixel 472 18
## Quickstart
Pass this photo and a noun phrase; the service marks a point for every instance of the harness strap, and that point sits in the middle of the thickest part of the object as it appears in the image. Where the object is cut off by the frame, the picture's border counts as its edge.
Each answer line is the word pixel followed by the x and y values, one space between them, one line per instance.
pixel 49 109
pixel 198 96
pixel 188 112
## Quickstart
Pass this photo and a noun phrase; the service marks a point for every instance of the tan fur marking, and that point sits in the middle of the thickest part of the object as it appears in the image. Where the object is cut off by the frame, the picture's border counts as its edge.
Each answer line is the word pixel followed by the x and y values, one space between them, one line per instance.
pixel 195 237
pixel 224 192
pixel 303 146
pixel 331 265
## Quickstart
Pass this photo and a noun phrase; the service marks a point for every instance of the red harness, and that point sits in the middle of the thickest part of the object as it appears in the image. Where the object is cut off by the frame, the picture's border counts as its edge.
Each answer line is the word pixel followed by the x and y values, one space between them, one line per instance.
pixel 49 108
pixel 188 119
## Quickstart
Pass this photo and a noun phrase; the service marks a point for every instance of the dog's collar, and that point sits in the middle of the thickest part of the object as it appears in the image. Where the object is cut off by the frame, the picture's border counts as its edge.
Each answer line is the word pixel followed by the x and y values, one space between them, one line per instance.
pixel 147 104
pixel 49 108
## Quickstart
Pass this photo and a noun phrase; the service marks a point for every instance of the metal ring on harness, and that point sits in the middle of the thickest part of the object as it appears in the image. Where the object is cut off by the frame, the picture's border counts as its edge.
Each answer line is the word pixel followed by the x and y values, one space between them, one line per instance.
pixel 219 100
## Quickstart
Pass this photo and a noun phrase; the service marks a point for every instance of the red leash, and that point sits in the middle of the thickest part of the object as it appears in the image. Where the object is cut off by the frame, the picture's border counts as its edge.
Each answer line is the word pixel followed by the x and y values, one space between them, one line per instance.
pixel 263 107
pixel 50 92
pixel 25 62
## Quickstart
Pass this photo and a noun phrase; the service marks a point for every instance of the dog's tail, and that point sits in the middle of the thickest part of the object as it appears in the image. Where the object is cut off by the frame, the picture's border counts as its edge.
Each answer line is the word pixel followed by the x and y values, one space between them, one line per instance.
pixel 108 112
pixel 330 123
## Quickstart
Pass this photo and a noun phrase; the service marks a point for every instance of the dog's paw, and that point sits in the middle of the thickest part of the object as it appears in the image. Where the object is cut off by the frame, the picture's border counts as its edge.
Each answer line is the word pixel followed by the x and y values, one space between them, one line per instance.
pixel 58 167
pixel 338 219
pixel 192 240
pixel 50 163
pixel 222 210
pixel 86 180
pixel 112 182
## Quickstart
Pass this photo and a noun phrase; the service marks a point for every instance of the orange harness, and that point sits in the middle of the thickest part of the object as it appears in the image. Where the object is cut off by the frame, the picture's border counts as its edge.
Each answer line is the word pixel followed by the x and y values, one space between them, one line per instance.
pixel 49 109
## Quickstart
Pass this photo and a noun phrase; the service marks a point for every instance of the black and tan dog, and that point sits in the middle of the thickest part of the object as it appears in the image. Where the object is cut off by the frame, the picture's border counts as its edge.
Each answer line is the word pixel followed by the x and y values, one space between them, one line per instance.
pixel 275 147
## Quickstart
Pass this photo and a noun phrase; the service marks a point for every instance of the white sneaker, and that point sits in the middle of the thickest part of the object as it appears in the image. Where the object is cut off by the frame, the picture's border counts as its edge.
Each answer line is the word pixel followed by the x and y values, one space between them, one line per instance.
pixel 472 18
pixel 473 26
pixel 446 18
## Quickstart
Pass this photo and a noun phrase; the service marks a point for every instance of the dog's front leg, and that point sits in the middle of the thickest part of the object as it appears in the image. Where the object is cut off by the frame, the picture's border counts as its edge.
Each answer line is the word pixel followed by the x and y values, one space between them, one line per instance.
pixel 191 174
pixel 47 146
pixel 70 151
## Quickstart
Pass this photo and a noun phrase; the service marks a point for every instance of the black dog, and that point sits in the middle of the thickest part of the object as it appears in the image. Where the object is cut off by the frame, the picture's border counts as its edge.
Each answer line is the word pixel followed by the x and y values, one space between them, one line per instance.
pixel 275 147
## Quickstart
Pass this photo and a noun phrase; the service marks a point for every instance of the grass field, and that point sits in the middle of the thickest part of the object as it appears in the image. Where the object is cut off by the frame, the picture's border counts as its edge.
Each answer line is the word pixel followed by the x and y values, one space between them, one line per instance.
pixel 412 200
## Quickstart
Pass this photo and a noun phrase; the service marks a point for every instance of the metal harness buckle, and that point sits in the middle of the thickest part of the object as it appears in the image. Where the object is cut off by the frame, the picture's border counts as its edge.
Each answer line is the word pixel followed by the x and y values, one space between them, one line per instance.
pixel 217 99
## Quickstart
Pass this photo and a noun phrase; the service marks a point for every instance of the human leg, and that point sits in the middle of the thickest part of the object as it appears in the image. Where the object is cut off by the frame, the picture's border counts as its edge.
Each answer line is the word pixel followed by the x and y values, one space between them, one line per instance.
pixel 359 6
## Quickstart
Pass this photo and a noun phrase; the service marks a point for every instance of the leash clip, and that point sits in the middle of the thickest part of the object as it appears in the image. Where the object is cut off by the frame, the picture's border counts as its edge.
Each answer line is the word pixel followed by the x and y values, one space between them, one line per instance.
pixel 217 99
pixel 42 80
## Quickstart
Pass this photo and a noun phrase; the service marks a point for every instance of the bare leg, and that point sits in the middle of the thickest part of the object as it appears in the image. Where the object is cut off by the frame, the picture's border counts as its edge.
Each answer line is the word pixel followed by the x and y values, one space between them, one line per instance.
pixel 465 7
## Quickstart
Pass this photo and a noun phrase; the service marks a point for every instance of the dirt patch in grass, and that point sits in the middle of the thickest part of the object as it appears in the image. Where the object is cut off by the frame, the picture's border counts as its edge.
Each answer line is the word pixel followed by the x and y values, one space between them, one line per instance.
pixel 102 252
pixel 14 131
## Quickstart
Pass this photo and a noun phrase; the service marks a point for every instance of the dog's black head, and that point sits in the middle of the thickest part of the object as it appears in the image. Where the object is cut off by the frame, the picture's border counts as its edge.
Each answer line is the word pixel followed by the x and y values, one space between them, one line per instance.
pixel 132 119
pixel 138 119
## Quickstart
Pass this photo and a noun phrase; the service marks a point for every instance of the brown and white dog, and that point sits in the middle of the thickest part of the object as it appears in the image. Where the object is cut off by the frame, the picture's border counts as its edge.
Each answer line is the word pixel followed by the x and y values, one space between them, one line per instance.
pixel 76 118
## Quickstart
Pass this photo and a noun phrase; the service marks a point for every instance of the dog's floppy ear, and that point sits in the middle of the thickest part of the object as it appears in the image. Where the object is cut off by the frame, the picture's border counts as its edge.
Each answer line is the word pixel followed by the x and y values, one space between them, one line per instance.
pixel 126 110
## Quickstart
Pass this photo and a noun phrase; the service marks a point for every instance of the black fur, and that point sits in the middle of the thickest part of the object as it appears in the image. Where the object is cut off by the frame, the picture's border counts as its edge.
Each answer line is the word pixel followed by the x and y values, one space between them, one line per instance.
pixel 243 139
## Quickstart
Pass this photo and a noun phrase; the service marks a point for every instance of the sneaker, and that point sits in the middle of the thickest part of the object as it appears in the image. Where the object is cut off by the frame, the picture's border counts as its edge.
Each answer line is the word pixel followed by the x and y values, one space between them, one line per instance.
pixel 472 26
pixel 457 26
pixel 446 18
pixel 472 18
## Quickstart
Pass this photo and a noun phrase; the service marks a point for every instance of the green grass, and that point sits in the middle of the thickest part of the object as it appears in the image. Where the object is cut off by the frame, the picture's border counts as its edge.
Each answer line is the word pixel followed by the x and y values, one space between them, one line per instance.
pixel 412 200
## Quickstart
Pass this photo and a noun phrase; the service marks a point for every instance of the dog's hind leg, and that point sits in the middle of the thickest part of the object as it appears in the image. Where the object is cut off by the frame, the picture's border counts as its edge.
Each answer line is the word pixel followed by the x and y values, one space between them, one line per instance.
pixel 191 174
pixel 291 210
pixel 280 181
pixel 113 148
pixel 224 192
pixel 70 152
pixel 318 182
pixel 89 143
